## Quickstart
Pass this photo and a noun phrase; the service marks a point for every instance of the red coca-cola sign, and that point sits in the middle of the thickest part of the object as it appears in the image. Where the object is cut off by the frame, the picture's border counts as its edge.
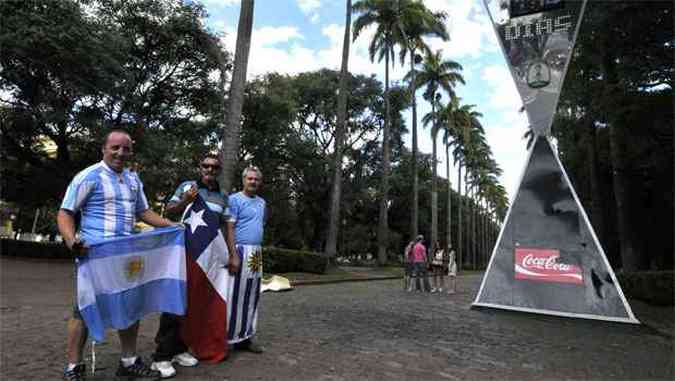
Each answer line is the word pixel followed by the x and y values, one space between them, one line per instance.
pixel 542 265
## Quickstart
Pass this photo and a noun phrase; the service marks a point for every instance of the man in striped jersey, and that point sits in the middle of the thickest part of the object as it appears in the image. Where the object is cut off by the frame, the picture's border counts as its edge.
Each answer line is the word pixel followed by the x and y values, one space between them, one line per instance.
pixel 247 217
pixel 109 198
pixel 170 346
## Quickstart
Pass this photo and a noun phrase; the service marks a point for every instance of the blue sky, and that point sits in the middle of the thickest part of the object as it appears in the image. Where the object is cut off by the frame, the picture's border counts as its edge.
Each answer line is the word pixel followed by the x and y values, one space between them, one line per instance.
pixel 292 36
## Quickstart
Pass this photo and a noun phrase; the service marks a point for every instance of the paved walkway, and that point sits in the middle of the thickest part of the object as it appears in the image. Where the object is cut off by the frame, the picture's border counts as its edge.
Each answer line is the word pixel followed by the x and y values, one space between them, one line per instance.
pixel 352 331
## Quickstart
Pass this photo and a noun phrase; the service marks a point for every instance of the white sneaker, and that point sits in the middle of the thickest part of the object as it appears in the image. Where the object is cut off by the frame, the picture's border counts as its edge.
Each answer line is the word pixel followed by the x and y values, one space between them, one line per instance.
pixel 165 369
pixel 185 359
pixel 433 290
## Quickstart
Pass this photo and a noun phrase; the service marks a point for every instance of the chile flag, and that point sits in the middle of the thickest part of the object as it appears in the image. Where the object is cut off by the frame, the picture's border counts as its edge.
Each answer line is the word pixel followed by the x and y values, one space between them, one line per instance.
pixel 205 327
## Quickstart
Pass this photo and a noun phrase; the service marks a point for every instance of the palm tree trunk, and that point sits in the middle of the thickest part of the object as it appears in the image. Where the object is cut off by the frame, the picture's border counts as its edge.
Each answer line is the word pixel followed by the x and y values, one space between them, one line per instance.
pixel 474 216
pixel 331 244
pixel 472 223
pixel 229 153
pixel 434 192
pixel 468 215
pixel 448 233
pixel 486 242
pixel 459 216
pixel 383 228
pixel 414 223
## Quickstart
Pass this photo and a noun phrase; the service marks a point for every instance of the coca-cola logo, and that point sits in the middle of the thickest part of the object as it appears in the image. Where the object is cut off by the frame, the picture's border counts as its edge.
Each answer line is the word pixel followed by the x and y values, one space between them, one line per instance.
pixel 544 265
pixel 550 263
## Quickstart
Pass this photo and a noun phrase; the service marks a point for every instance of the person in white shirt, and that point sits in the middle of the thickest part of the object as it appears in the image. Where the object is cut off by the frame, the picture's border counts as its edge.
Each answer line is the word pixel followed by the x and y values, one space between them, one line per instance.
pixel 437 268
pixel 452 271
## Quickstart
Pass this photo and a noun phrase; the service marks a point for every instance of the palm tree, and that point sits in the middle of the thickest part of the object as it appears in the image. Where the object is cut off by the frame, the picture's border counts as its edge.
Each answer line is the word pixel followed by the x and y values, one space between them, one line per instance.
pixel 231 135
pixel 436 74
pixel 462 158
pixel 451 119
pixel 384 14
pixel 448 133
pixel 331 244
pixel 417 22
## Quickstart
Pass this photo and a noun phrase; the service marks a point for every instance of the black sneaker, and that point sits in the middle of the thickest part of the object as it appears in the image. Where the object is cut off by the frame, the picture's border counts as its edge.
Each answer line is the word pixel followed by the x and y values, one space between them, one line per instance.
pixel 137 371
pixel 75 374
pixel 251 346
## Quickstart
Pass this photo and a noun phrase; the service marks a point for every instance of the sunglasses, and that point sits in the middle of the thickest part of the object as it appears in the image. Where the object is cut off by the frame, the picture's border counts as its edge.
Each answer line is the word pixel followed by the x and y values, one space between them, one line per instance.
pixel 211 166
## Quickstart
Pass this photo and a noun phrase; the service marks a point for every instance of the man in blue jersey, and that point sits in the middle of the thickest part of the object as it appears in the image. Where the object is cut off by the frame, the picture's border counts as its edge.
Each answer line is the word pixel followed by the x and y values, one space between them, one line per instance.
pixel 109 198
pixel 170 346
pixel 247 217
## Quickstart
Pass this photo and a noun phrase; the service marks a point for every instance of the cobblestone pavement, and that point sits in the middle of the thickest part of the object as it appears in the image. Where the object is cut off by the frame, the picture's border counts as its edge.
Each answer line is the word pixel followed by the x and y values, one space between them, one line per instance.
pixel 350 331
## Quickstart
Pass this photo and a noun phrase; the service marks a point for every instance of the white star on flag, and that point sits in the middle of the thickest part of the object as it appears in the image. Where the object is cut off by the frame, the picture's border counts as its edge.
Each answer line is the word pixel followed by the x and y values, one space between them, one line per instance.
pixel 195 220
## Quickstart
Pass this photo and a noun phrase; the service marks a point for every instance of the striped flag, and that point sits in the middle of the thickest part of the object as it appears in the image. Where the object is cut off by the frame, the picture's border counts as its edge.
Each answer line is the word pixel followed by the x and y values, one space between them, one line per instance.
pixel 244 294
pixel 123 279
pixel 205 326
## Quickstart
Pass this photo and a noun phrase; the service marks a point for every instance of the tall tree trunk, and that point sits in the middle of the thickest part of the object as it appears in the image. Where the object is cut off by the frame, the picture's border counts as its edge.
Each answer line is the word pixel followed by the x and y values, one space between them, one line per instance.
pixel 448 232
pixel 474 216
pixel 459 216
pixel 334 221
pixel 62 151
pixel 596 192
pixel 469 224
pixel 231 135
pixel 468 214
pixel 434 191
pixel 383 228
pixel 629 256
pixel 486 238
pixel 414 223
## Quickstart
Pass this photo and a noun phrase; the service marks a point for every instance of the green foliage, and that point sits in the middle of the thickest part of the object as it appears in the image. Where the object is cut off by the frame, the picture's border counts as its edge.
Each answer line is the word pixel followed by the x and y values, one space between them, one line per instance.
pixel 614 127
pixel 276 260
pixel 74 69
pixel 655 287
pixel 288 131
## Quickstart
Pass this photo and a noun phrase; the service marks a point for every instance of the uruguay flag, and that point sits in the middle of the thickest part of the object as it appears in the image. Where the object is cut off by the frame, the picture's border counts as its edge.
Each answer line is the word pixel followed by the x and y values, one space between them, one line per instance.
pixel 205 327
pixel 123 279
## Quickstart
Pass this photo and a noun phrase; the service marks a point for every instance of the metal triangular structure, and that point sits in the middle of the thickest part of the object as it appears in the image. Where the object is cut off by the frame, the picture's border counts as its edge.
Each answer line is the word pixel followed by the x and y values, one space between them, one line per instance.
pixel 537 39
pixel 547 258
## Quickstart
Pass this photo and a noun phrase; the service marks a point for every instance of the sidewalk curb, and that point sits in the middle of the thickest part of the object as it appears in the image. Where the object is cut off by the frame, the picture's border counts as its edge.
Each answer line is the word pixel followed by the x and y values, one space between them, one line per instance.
pixel 320 282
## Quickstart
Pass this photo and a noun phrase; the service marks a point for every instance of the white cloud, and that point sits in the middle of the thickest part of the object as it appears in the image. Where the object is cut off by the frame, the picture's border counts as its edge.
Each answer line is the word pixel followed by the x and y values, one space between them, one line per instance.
pixel 309 8
pixel 508 147
pixel 281 49
pixel 469 27
pixel 504 95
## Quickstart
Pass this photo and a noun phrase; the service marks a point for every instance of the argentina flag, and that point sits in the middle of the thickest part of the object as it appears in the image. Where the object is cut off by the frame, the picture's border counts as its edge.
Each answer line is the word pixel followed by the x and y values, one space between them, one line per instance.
pixel 123 279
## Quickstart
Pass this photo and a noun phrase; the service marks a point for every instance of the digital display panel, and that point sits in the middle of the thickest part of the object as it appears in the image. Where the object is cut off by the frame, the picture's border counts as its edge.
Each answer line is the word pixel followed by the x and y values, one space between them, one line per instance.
pixel 519 8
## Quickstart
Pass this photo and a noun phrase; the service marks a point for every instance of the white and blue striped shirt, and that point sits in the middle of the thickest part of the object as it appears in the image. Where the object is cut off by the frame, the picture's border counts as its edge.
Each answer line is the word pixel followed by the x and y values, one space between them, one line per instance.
pixel 108 201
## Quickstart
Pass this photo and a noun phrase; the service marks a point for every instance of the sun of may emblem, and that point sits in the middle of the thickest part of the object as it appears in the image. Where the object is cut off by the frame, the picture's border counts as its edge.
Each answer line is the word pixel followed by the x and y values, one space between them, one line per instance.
pixel 255 261
pixel 134 268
